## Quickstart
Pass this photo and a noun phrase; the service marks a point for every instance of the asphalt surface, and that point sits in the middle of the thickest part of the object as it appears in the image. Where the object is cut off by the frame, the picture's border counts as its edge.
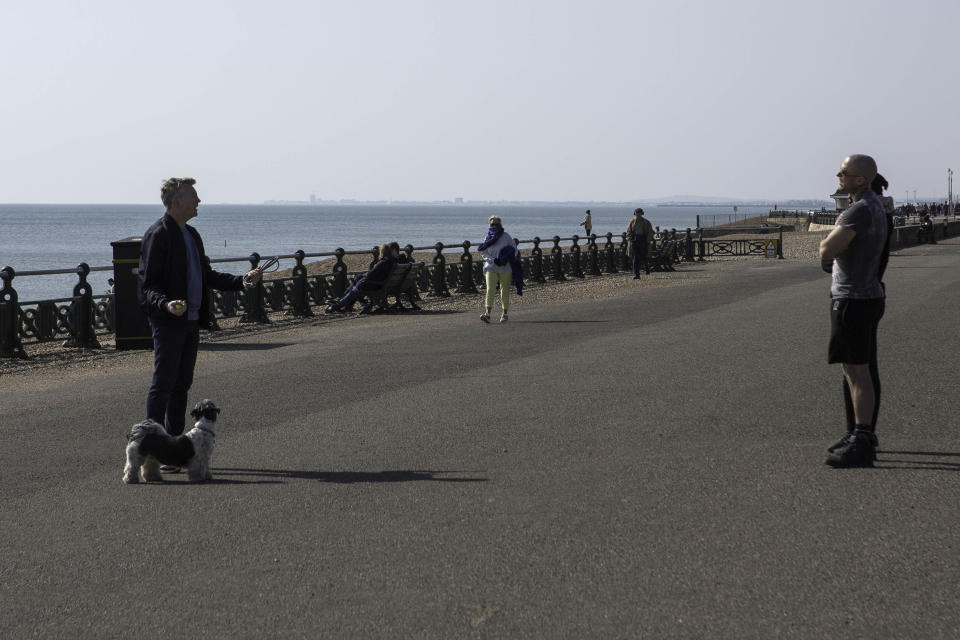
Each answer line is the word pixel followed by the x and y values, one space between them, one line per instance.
pixel 649 466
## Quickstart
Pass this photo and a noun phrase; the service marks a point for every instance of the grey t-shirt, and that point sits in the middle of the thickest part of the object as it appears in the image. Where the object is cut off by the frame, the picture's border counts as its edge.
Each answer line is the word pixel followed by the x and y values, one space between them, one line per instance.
pixel 856 270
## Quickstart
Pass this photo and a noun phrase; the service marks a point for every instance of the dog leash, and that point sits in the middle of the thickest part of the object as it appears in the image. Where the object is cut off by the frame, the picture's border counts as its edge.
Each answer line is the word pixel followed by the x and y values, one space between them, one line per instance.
pixel 270 262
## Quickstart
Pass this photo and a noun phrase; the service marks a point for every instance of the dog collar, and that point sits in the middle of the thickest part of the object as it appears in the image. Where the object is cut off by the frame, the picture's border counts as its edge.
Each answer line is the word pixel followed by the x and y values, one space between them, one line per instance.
pixel 208 431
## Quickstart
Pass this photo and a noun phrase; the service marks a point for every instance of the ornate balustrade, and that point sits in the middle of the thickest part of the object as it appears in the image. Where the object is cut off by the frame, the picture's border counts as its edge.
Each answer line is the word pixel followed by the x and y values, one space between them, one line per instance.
pixel 454 268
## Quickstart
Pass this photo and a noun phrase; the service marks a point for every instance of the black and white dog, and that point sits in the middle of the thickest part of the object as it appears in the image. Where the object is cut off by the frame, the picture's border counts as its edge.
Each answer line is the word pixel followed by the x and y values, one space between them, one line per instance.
pixel 150 446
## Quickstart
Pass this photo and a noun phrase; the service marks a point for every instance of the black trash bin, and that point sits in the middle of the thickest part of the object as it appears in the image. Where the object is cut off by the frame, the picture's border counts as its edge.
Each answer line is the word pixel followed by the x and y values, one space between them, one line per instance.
pixel 133 329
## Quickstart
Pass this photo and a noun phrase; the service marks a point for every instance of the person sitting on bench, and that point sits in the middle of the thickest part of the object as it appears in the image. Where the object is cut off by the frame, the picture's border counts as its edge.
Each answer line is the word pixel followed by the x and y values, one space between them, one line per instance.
pixel 369 281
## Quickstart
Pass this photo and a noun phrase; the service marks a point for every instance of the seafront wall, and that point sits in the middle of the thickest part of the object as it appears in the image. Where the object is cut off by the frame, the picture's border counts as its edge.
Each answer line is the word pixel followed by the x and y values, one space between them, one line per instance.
pixel 795 222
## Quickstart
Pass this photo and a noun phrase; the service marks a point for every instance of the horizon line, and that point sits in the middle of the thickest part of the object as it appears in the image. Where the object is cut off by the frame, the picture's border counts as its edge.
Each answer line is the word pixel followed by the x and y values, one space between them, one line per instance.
pixel 354 201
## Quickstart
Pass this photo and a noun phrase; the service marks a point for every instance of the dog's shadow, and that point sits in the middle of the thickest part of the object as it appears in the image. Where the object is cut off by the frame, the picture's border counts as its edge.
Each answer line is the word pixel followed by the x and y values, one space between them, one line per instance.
pixel 342 477
pixel 181 479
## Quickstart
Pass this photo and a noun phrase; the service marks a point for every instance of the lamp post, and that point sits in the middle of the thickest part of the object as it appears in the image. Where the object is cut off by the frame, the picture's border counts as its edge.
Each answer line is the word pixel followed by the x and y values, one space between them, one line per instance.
pixel 950 192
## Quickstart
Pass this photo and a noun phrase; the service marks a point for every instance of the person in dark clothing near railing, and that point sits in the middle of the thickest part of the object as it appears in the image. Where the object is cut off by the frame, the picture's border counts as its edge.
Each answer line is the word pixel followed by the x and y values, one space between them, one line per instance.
pixel 369 281
pixel 172 278
pixel 402 257
pixel 926 230
pixel 640 235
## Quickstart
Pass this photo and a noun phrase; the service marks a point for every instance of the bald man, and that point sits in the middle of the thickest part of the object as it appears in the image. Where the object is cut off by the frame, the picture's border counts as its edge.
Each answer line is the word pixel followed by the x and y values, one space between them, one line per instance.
pixel 855 247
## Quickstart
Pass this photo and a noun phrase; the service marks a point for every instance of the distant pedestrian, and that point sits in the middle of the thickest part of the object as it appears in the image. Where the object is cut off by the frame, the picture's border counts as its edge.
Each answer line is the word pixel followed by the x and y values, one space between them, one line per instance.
pixel 587 224
pixel 501 267
pixel 640 237
pixel 856 247
pixel 110 285
pixel 926 230
pixel 172 279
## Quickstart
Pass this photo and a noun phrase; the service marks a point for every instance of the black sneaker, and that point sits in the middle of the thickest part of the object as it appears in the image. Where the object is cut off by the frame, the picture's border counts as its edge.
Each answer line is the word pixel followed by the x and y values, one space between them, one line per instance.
pixel 845 440
pixel 859 452
pixel 848 438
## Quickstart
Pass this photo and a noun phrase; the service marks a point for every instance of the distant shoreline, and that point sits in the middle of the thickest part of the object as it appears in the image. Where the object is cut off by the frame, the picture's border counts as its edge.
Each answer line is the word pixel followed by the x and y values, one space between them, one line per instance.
pixel 780 204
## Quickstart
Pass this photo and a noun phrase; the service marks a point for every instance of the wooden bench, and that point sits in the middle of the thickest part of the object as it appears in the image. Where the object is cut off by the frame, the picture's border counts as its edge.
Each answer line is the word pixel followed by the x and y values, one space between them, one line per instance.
pixel 661 257
pixel 402 281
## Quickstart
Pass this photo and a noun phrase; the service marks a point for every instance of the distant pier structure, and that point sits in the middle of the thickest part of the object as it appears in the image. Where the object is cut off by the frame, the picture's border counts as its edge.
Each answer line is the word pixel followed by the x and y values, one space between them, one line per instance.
pixel 841 198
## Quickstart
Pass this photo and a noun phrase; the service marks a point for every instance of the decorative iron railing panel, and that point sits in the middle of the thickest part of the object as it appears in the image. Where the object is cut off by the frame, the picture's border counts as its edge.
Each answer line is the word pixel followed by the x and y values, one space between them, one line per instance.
pixel 452 268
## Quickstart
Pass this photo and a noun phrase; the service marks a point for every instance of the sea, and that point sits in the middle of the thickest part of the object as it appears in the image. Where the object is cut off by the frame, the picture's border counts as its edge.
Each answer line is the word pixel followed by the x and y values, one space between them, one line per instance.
pixel 43 237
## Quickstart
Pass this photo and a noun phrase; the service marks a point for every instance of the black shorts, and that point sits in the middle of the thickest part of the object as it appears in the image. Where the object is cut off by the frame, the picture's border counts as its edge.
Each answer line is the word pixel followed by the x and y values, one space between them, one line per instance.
pixel 853 330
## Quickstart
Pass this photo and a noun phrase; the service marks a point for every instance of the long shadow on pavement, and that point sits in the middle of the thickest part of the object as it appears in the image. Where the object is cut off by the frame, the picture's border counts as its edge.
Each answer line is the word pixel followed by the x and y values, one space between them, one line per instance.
pixel 242 346
pixel 556 321
pixel 348 477
pixel 921 453
pixel 921 465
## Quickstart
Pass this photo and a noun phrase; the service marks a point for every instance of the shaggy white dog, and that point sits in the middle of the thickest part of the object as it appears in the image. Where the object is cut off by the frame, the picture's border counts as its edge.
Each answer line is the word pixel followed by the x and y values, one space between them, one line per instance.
pixel 150 446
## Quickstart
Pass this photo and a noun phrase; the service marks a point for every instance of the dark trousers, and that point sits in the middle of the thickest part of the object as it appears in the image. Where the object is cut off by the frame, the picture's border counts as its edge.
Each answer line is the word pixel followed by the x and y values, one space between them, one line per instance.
pixel 350 295
pixel 638 250
pixel 174 356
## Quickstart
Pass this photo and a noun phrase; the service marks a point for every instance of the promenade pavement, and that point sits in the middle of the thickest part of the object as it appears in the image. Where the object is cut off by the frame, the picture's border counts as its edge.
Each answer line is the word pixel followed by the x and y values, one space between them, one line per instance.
pixel 646 466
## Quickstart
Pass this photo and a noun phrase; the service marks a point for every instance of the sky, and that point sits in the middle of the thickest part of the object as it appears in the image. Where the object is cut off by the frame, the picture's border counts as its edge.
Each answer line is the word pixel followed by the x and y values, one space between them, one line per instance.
pixel 434 100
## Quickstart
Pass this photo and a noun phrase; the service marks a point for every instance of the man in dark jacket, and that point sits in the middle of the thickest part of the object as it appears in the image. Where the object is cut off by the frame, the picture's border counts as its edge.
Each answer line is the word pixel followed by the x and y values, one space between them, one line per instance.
pixel 640 235
pixel 173 277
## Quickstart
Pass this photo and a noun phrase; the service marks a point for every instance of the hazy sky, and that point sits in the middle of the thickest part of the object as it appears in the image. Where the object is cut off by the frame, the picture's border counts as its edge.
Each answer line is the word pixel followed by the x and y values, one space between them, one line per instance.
pixel 409 100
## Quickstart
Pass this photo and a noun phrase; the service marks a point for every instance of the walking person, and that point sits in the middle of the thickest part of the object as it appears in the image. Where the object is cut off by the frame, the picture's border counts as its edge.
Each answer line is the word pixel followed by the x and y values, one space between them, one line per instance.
pixel 640 235
pixel 172 279
pixel 587 224
pixel 857 246
pixel 501 267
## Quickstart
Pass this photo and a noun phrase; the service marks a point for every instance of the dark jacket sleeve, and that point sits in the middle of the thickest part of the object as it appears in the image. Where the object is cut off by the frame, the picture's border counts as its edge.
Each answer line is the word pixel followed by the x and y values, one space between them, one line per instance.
pixel 380 271
pixel 215 279
pixel 152 293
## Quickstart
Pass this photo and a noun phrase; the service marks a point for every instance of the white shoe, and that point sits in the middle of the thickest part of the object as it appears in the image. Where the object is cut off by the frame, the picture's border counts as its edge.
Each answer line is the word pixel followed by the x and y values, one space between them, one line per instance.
pixel 503 318
pixel 485 318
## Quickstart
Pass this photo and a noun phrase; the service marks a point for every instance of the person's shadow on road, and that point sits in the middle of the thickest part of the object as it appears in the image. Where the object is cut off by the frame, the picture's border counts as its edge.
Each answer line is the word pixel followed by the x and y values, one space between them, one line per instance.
pixel 917 463
pixel 349 477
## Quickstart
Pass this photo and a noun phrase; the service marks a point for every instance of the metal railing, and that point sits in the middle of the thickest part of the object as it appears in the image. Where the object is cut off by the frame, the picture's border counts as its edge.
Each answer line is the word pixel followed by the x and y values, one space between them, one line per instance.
pixel 79 319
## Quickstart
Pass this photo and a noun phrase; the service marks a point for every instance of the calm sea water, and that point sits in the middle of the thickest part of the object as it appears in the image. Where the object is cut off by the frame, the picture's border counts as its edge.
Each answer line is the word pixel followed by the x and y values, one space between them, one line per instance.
pixel 62 236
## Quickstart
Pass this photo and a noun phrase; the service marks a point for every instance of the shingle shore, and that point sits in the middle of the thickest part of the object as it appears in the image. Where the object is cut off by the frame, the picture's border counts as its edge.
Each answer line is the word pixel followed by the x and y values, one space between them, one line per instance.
pixel 797 246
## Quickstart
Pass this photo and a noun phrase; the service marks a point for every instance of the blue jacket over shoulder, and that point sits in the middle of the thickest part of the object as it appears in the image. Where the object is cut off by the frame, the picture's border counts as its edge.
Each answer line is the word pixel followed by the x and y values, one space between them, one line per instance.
pixel 162 275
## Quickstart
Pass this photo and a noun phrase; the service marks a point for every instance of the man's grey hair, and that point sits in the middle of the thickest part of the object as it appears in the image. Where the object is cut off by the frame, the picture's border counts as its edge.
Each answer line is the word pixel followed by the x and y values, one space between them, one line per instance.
pixel 170 189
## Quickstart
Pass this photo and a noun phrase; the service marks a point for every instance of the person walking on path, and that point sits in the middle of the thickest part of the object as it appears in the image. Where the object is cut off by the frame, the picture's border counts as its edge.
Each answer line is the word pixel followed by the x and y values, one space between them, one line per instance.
pixel 640 235
pixel 856 247
pixel 373 279
pixel 587 224
pixel 500 267
pixel 172 280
